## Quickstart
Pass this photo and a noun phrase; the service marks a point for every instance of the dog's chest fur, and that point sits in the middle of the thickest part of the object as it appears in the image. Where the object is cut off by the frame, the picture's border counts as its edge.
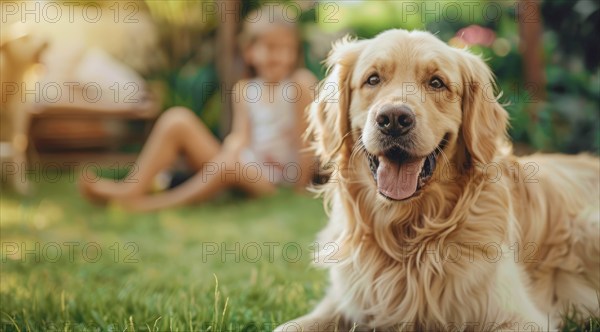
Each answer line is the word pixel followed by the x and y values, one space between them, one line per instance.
pixel 383 282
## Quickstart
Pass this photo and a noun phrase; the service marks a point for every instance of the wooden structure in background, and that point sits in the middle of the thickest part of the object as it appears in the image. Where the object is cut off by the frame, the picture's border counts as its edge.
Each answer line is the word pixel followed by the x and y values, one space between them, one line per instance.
pixel 229 20
pixel 530 32
pixel 83 125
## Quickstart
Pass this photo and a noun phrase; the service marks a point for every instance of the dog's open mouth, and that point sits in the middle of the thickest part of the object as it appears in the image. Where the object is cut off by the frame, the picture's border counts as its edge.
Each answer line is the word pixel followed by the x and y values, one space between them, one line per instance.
pixel 399 175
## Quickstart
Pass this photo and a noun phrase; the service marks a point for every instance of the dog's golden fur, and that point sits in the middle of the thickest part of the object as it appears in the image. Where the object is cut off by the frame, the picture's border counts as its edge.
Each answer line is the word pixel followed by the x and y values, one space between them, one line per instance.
pixel 491 242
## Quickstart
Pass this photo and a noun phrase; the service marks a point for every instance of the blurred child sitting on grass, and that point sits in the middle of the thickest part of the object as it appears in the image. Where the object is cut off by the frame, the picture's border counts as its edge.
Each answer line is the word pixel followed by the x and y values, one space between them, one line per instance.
pixel 264 148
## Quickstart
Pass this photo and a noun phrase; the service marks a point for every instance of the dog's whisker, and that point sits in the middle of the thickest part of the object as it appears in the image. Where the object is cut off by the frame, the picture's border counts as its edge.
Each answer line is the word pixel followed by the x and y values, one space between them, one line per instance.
pixel 443 154
pixel 357 148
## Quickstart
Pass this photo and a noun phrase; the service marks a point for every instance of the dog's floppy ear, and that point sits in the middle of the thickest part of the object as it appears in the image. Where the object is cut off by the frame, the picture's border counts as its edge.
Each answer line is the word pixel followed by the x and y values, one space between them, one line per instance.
pixel 484 119
pixel 328 122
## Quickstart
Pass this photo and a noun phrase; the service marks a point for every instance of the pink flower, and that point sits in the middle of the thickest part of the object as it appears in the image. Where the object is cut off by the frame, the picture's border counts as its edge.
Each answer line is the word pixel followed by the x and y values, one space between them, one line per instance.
pixel 476 35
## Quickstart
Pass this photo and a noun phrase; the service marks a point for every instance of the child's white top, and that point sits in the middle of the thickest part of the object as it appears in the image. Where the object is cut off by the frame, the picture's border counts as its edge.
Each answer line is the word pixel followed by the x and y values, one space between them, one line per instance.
pixel 273 126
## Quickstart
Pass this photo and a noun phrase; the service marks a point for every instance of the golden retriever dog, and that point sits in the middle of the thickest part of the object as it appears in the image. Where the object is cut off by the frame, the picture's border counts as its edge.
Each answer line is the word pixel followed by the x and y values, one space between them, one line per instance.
pixel 435 224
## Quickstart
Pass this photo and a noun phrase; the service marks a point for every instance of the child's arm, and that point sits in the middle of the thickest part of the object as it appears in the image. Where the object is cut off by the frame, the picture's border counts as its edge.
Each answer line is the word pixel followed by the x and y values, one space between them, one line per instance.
pixel 307 81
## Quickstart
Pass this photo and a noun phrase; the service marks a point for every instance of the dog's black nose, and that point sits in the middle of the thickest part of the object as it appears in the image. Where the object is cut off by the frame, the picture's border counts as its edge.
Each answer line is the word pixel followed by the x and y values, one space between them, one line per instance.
pixel 395 120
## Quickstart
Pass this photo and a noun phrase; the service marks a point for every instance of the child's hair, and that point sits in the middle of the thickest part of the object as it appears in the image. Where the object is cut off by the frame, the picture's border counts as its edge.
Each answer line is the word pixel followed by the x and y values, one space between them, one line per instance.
pixel 260 20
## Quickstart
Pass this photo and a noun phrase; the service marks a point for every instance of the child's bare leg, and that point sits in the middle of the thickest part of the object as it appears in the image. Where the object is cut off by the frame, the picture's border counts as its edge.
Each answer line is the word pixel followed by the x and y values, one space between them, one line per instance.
pixel 177 130
pixel 224 171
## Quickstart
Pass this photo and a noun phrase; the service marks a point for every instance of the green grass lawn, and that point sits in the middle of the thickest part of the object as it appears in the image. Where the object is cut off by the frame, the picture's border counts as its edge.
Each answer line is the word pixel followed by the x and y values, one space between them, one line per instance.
pixel 231 265
pixel 234 263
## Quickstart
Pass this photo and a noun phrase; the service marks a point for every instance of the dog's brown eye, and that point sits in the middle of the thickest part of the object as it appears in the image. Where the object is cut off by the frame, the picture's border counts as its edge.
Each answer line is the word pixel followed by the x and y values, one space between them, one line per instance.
pixel 373 80
pixel 436 83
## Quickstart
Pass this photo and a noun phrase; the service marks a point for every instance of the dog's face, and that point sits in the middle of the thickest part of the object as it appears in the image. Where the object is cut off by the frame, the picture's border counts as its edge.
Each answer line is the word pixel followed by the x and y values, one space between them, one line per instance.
pixel 410 103
pixel 404 104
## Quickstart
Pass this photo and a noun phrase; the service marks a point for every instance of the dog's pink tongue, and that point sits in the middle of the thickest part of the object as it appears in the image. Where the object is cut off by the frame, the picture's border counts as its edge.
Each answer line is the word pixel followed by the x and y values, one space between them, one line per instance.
pixel 398 181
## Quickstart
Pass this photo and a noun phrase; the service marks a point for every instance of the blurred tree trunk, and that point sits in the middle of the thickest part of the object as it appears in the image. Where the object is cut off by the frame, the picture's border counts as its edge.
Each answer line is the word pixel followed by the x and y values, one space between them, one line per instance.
pixel 229 18
pixel 530 32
